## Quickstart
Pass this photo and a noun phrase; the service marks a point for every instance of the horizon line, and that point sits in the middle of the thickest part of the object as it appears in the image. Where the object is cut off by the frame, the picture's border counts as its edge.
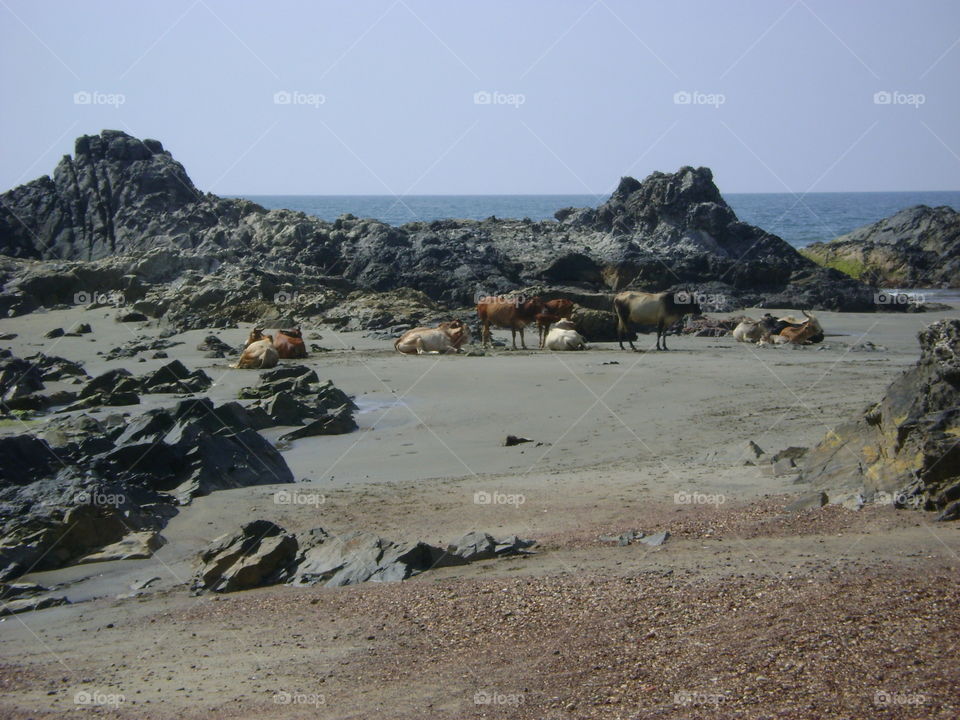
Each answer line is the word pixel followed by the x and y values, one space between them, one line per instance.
pixel 564 194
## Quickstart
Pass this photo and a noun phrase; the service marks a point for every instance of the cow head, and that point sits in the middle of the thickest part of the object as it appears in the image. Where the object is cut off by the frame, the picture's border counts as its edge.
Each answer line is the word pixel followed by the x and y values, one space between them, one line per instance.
pixel 255 335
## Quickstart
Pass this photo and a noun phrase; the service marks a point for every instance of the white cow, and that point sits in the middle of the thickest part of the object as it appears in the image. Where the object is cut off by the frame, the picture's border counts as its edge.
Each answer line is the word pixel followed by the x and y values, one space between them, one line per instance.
pixel 564 336
pixel 447 338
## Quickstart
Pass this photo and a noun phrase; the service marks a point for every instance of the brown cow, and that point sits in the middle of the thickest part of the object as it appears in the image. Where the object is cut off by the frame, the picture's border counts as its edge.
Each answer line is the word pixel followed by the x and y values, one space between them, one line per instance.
pixel 544 321
pixel 506 314
pixel 289 344
pixel 801 334
pixel 560 307
pixel 260 354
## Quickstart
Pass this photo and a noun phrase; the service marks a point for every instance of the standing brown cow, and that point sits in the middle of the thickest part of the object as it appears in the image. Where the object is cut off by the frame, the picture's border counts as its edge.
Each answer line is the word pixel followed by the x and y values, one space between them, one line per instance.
pixel 508 314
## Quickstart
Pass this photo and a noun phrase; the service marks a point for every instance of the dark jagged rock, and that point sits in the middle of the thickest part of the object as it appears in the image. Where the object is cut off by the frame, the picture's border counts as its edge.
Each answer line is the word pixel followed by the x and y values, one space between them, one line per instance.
pixel 97 481
pixel 103 201
pixel 904 449
pixel 131 207
pixel 916 248
pixel 336 422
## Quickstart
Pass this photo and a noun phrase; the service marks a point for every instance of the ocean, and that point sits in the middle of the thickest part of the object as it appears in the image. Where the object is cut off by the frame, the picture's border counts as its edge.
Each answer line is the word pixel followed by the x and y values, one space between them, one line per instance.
pixel 798 220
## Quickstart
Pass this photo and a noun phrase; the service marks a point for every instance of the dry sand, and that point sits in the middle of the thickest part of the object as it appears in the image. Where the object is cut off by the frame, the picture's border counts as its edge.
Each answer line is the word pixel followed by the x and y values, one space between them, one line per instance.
pixel 745 612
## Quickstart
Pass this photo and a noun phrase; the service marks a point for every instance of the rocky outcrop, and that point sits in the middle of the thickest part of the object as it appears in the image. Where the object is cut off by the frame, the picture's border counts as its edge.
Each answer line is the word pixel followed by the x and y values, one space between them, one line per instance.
pixel 127 205
pixel 263 553
pixel 917 248
pixel 904 449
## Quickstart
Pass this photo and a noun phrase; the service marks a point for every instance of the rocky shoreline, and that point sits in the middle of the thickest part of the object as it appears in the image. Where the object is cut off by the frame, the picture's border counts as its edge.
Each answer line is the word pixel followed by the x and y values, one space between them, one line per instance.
pixel 122 221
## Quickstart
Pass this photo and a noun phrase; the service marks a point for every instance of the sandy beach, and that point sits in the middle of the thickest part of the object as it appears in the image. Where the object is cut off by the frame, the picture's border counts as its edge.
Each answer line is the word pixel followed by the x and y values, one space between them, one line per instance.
pixel 620 441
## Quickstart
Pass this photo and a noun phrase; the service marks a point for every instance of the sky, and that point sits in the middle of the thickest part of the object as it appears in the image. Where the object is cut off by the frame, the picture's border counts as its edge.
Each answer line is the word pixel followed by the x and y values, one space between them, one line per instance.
pixel 395 97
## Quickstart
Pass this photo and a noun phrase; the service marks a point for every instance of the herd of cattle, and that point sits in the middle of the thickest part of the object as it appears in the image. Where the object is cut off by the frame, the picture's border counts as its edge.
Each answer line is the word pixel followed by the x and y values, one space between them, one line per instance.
pixel 555 326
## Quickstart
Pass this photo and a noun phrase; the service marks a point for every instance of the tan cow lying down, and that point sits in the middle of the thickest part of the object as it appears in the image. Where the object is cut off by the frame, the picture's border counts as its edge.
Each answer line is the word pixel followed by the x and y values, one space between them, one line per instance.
pixel 258 355
pixel 447 337
pixel 564 336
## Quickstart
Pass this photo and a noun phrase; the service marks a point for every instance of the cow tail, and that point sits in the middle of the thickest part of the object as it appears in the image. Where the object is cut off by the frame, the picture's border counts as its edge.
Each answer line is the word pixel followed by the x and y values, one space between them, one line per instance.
pixel 619 308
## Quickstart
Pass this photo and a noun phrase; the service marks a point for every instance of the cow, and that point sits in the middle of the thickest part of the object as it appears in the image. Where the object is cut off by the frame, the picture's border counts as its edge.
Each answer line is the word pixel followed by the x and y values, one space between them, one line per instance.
pixel 553 311
pixel 750 331
pixel 289 344
pixel 447 337
pixel 564 336
pixel 803 333
pixel 659 309
pixel 560 307
pixel 260 354
pixel 544 321
pixel 514 315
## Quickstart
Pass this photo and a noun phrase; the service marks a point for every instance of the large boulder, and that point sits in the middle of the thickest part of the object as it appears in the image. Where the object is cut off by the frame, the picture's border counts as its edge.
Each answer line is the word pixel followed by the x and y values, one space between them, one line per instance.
pixel 916 248
pixel 260 554
pixel 904 448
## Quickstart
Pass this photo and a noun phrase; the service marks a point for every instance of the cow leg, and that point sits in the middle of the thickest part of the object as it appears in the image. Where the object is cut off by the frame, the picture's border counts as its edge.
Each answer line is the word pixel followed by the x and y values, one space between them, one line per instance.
pixel 661 332
pixel 522 343
pixel 513 335
pixel 420 350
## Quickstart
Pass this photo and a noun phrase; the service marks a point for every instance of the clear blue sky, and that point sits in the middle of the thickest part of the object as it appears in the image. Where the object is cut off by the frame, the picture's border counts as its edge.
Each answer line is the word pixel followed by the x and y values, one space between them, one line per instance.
pixel 397 80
